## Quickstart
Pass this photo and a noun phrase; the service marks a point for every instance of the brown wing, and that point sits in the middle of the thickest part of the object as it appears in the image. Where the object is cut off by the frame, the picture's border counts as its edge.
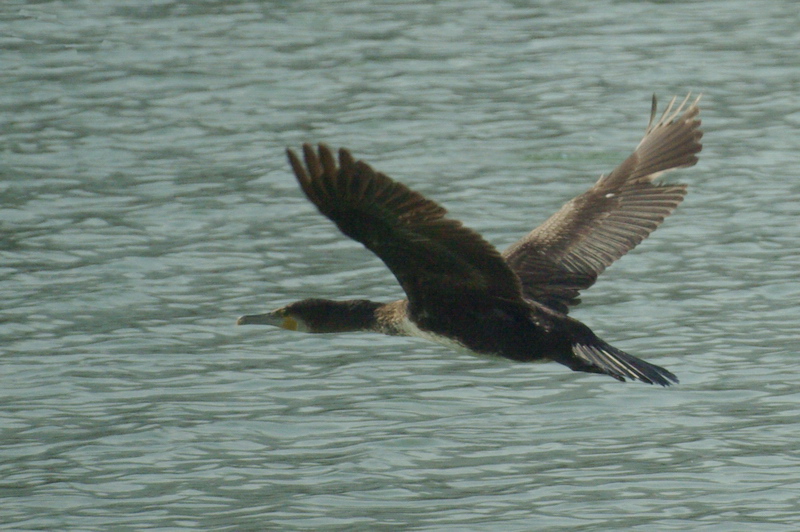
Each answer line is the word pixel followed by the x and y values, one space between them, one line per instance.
pixel 433 257
pixel 568 251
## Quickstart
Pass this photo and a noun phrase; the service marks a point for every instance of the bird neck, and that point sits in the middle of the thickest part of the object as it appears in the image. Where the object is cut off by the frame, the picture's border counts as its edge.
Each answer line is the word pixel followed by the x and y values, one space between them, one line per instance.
pixel 326 316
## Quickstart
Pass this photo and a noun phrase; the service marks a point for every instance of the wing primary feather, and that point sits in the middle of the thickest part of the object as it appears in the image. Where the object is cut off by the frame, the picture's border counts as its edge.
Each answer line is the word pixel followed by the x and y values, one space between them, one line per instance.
pixel 302 176
pixel 345 160
pixel 328 162
pixel 653 110
pixel 312 162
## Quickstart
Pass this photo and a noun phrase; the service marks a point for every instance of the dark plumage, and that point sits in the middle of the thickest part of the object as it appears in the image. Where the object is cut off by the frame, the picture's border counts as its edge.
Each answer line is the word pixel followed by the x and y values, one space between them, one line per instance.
pixel 461 290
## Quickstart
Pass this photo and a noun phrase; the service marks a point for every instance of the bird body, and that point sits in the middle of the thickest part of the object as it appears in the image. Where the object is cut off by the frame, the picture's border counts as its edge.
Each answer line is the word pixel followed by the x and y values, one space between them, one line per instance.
pixel 461 291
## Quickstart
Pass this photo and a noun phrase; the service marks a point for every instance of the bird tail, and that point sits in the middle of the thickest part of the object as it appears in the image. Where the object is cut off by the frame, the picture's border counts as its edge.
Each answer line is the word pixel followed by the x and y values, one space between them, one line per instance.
pixel 599 357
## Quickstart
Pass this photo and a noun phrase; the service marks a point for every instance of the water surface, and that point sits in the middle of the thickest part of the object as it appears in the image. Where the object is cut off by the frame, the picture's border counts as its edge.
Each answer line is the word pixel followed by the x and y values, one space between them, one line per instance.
pixel 146 203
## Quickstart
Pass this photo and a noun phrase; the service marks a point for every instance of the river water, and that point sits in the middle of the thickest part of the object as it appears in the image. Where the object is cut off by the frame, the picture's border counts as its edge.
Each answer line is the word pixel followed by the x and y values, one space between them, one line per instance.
pixel 146 202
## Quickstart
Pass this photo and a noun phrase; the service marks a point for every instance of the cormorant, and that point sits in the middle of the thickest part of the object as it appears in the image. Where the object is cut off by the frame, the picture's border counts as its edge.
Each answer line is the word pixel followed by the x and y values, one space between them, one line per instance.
pixel 461 290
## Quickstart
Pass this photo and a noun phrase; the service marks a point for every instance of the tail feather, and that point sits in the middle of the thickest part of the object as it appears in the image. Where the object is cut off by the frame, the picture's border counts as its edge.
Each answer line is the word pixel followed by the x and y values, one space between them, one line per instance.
pixel 599 357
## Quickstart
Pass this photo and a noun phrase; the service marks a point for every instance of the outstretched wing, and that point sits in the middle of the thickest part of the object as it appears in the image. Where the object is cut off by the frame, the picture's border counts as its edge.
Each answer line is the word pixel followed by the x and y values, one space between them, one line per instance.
pixel 568 251
pixel 433 257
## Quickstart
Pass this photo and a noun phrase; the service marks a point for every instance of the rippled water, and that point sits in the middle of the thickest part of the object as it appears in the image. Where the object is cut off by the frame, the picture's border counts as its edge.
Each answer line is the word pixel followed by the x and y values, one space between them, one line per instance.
pixel 146 202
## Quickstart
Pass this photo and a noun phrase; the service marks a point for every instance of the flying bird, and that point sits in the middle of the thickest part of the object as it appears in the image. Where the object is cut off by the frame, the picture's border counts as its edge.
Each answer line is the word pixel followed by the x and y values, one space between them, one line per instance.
pixel 461 291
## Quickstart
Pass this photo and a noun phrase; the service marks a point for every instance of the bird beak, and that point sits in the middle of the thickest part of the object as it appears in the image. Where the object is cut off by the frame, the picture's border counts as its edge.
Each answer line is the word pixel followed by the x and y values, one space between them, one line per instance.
pixel 275 318
pixel 270 318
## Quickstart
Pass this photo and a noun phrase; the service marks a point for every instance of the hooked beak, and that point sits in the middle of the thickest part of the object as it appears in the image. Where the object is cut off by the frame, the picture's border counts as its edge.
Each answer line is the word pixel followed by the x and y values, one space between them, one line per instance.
pixel 270 318
pixel 275 318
